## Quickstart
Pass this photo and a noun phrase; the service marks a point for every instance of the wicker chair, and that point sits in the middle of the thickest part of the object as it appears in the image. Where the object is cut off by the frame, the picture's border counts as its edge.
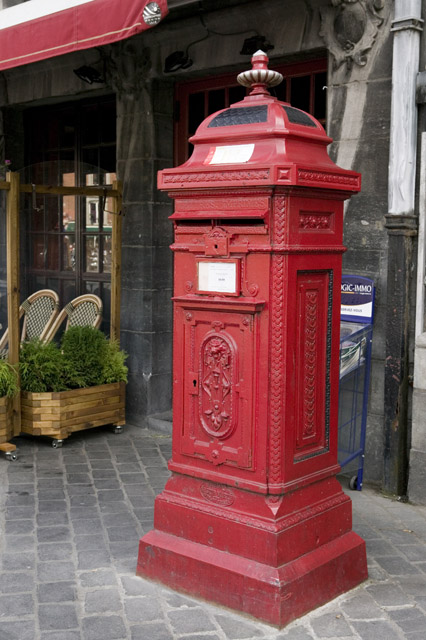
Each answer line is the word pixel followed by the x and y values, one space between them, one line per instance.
pixel 39 310
pixel 84 311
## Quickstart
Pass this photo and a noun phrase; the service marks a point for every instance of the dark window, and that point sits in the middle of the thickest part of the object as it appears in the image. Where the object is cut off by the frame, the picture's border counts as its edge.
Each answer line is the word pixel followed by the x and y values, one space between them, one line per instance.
pixel 68 238
pixel 301 92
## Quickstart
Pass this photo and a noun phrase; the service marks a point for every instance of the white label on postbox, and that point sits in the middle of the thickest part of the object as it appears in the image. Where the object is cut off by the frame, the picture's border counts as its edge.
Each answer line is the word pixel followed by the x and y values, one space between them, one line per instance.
pixel 218 277
pixel 230 154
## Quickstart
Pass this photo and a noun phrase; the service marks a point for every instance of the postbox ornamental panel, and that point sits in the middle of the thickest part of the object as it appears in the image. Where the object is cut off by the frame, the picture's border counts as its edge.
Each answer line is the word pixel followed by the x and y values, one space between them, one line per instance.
pixel 220 357
pixel 253 502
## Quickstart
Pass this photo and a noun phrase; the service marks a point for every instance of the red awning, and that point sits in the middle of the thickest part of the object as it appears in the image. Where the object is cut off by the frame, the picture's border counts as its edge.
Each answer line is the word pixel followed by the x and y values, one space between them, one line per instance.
pixel 40 29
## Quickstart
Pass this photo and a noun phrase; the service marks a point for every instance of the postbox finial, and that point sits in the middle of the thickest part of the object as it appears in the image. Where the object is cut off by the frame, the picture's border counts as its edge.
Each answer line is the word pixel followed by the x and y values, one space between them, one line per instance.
pixel 259 77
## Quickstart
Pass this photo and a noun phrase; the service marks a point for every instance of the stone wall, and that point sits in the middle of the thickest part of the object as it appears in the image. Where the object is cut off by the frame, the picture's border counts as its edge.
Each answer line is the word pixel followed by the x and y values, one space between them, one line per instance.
pixel 359 101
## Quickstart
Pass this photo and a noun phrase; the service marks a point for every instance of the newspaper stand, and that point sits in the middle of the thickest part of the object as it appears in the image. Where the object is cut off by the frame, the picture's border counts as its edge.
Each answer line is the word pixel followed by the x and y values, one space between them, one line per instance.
pixel 356 330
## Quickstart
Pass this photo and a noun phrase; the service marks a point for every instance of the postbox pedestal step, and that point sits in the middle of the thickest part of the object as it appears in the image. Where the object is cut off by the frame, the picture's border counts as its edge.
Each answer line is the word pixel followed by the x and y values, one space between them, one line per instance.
pixel 267 529
pixel 276 595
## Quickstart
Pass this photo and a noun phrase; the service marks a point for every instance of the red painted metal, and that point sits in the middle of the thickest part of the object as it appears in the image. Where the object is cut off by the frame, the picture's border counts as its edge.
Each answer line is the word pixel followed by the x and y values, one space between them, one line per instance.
pixel 253 516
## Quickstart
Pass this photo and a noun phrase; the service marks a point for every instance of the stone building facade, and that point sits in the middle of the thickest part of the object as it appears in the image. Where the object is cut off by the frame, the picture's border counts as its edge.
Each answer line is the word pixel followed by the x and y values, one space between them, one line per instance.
pixel 354 39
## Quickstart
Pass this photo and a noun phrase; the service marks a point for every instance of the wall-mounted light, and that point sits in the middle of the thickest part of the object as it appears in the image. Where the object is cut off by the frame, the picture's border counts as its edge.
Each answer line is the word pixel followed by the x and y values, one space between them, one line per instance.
pixel 177 60
pixel 181 60
pixel 89 75
pixel 253 44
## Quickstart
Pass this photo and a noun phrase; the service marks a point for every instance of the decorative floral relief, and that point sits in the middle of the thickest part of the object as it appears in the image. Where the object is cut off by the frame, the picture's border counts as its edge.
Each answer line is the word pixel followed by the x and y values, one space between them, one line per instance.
pixel 280 216
pixel 248 288
pixel 314 221
pixel 350 28
pixel 310 351
pixel 276 405
pixel 216 176
pixel 217 384
pixel 322 176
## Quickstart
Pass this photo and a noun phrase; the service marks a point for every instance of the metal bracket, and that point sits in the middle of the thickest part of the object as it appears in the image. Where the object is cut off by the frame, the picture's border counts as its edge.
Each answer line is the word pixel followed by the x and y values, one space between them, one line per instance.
pixel 103 203
pixel 34 199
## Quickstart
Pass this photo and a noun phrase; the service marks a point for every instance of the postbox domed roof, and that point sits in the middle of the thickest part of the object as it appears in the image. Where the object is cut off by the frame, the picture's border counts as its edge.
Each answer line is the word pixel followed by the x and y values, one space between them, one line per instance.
pixel 266 140
pixel 259 112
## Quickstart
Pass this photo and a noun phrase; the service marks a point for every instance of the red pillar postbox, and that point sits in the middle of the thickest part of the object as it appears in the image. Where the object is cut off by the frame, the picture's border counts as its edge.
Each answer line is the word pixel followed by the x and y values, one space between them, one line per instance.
pixel 253 516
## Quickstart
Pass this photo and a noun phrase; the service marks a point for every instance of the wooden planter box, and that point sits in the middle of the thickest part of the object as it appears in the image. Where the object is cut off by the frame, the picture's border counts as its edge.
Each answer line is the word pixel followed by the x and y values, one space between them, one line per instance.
pixel 6 424
pixel 59 414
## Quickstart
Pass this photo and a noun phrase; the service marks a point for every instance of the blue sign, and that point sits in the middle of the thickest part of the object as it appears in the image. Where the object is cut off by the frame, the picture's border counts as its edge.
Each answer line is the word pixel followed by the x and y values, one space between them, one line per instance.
pixel 357 299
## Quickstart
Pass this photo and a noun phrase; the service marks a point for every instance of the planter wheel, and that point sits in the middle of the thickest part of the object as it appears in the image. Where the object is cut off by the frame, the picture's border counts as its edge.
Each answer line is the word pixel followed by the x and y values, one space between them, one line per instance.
pixel 118 428
pixel 57 444
pixel 353 483
pixel 12 456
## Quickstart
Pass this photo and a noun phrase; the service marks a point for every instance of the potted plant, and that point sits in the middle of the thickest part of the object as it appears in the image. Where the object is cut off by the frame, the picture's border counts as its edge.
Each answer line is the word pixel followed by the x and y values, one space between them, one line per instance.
pixel 79 384
pixel 8 388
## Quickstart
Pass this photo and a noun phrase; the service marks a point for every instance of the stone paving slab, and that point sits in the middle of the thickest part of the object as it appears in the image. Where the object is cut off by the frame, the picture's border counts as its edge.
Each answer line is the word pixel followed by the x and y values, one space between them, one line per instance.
pixel 70 523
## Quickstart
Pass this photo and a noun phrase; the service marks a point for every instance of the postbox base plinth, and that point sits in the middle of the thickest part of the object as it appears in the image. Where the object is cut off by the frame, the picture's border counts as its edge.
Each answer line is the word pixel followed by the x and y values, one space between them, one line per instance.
pixel 276 595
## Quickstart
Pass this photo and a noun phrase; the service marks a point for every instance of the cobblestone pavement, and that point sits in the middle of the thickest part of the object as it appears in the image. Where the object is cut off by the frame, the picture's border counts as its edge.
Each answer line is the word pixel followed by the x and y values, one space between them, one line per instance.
pixel 70 523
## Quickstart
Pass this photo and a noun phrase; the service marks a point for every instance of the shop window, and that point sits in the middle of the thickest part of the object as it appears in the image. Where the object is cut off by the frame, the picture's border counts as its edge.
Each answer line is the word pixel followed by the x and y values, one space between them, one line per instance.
pixel 303 87
pixel 68 238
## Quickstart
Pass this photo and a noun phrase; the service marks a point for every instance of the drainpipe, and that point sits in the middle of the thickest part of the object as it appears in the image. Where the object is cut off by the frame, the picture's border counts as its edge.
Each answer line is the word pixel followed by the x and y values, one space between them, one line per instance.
pixel 401 225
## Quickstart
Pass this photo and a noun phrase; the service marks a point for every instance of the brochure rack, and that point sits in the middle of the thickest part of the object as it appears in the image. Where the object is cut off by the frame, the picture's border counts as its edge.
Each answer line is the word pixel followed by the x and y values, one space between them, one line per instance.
pixel 356 330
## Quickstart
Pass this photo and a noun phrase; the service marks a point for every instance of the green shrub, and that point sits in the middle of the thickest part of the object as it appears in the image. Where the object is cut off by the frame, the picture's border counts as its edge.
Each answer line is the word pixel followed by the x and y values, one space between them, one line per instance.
pixel 8 380
pixel 42 367
pixel 83 349
pixel 90 358
pixel 114 369
pixel 85 358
